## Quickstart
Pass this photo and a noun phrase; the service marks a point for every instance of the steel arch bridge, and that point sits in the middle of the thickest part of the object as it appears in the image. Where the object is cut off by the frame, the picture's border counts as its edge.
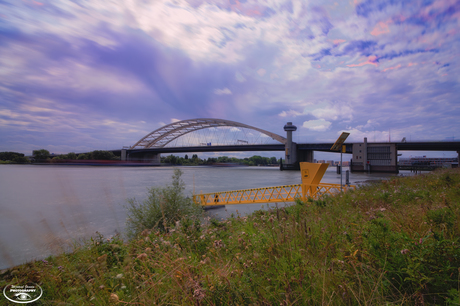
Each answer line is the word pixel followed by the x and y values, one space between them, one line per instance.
pixel 164 135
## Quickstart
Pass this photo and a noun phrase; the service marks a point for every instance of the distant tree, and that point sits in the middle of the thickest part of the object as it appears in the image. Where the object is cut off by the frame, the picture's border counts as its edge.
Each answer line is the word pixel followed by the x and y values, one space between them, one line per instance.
pixel 21 159
pixel 56 159
pixel 257 160
pixel 83 156
pixel 172 159
pixel 273 160
pixel 10 155
pixel 102 155
pixel 223 159
pixel 186 156
pixel 196 160
pixel 41 154
pixel 235 160
pixel 72 156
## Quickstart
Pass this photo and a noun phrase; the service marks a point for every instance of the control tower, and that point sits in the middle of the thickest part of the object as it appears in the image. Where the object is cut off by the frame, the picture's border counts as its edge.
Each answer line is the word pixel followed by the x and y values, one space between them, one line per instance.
pixel 290 147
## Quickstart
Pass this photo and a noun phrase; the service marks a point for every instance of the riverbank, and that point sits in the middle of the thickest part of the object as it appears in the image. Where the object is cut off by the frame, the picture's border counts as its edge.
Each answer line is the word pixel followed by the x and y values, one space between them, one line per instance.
pixel 394 242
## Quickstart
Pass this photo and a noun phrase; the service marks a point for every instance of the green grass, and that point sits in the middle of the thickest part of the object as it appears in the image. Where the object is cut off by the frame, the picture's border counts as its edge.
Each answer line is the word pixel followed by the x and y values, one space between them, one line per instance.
pixel 392 243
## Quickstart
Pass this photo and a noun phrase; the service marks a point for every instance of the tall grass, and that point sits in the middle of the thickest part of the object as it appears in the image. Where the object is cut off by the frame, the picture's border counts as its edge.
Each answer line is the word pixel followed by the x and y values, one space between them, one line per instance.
pixel 392 243
pixel 162 209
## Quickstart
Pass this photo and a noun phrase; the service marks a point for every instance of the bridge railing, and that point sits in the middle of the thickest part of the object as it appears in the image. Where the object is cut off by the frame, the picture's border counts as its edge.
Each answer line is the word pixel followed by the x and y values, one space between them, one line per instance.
pixel 287 193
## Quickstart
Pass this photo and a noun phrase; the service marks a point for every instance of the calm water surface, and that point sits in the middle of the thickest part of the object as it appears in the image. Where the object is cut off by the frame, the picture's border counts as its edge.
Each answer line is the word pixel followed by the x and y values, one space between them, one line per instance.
pixel 44 208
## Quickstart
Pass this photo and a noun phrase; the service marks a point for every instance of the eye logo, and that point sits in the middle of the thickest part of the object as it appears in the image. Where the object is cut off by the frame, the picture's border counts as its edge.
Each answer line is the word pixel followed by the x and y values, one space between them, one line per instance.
pixel 23 294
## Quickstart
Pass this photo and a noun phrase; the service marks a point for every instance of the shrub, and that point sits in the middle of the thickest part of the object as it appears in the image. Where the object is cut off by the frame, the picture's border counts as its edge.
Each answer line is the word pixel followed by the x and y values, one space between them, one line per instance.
pixel 21 159
pixel 162 209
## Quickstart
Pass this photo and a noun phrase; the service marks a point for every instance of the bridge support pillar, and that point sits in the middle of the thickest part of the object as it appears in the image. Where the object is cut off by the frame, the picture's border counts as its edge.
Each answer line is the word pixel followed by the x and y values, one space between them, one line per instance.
pixel 154 158
pixel 305 156
pixel 123 154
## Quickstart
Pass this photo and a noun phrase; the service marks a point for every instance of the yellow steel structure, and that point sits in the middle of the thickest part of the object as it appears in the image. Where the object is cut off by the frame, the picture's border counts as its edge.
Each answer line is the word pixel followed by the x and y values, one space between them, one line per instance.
pixel 310 188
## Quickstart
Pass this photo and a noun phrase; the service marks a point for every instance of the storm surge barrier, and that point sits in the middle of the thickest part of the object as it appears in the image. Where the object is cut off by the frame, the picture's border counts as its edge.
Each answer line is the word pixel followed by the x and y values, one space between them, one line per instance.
pixel 311 187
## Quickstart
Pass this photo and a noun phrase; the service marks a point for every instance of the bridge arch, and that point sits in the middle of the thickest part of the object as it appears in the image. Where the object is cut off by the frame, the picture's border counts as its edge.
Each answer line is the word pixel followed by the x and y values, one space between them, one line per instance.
pixel 164 135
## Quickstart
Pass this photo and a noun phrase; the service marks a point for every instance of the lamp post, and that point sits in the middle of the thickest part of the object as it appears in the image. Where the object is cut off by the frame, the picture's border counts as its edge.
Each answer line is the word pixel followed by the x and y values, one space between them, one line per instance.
pixel 338 145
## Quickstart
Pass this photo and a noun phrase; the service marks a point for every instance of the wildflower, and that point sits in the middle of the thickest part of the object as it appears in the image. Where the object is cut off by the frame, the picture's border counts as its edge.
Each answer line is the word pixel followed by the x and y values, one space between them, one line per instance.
pixel 198 294
pixel 142 256
pixel 405 251
pixel 119 276
pixel 114 298
pixel 61 268
pixel 205 261
pixel 102 258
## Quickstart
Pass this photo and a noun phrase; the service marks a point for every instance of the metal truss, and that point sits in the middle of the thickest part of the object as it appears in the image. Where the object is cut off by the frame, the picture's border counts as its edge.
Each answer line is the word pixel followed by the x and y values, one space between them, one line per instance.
pixel 276 194
pixel 164 135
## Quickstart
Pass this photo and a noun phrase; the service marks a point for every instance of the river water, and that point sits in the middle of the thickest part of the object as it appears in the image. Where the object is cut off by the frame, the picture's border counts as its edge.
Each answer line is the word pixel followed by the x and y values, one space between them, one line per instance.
pixel 45 208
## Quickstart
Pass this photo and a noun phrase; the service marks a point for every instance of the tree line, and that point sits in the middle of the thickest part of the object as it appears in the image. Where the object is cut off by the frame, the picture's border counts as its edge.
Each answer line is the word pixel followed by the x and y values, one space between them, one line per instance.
pixel 196 161
pixel 43 155
pixel 13 157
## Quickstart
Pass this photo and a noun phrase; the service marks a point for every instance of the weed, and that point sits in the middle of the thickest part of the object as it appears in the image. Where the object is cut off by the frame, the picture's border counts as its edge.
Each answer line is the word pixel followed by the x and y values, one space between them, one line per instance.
pixel 162 209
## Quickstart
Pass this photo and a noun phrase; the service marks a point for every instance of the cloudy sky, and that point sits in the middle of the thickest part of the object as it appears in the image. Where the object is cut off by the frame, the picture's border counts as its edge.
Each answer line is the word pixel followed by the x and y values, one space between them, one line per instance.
pixel 85 75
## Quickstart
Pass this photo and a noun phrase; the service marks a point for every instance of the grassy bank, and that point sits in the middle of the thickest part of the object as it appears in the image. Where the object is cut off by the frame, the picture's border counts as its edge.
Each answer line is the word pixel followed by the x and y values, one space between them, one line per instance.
pixel 392 243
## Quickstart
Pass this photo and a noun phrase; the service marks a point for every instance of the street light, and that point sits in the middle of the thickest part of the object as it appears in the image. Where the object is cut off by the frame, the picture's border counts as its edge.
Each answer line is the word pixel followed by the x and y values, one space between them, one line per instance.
pixel 338 145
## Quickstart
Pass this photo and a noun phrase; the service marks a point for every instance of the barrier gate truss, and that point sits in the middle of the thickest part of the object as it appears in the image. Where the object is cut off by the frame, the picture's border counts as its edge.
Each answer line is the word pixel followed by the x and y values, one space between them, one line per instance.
pixel 311 187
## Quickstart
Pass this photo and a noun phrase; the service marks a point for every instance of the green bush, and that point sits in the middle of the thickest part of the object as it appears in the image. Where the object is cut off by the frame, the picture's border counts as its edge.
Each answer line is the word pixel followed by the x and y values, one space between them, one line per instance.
pixel 162 209
pixel 102 155
pixel 21 160
pixel 11 156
